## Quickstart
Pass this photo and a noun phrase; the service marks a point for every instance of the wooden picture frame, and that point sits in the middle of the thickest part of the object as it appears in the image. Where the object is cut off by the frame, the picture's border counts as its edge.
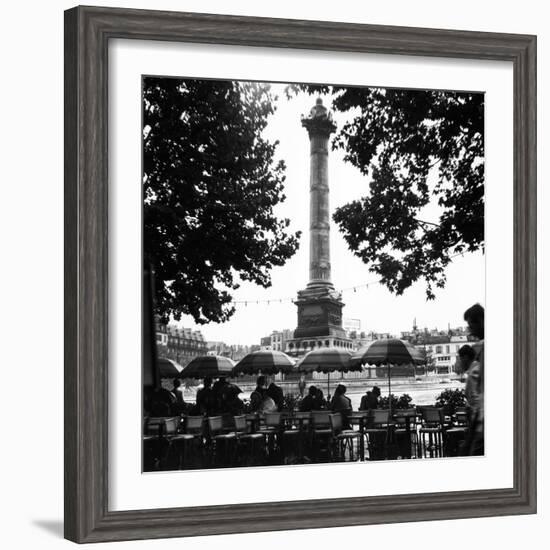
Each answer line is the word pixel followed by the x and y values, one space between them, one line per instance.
pixel 87 34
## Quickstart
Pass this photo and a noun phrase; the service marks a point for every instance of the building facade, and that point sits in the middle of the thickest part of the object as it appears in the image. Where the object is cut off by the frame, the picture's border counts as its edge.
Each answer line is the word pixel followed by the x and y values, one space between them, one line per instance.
pixel 440 347
pixel 179 344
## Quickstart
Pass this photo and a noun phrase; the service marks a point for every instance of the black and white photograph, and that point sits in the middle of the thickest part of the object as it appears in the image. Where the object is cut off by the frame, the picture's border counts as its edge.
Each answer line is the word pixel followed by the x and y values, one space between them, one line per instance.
pixel 313 273
pixel 273 275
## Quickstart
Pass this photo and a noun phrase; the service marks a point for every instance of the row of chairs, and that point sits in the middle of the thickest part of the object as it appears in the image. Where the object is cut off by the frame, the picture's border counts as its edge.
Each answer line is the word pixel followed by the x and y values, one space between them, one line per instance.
pixel 318 435
pixel 427 432
pixel 174 442
pixel 186 442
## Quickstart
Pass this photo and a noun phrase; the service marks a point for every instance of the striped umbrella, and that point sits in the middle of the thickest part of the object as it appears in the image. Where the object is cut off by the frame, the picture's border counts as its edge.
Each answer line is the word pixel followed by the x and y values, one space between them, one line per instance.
pixel 388 351
pixel 264 362
pixel 208 365
pixel 168 368
pixel 326 360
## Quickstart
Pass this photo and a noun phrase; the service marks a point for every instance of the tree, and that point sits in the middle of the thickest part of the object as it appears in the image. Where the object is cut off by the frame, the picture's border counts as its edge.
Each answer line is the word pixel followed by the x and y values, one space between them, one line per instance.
pixel 210 187
pixel 418 147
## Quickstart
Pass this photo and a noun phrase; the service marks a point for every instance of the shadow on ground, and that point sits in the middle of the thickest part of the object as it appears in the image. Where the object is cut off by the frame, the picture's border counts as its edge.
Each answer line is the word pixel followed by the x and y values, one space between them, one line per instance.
pixel 51 526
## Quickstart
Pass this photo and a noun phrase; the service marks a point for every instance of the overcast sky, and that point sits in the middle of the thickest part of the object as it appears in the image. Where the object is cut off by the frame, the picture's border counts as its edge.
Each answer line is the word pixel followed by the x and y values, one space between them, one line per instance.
pixel 375 306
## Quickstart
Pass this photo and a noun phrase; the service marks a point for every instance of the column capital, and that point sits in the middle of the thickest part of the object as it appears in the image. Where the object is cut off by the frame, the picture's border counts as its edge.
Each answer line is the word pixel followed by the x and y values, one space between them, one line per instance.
pixel 319 120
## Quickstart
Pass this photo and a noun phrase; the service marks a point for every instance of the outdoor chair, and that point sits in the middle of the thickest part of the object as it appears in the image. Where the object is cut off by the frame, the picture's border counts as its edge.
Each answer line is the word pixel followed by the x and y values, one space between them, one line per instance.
pixel 195 426
pixel 253 420
pixel 273 422
pixel 177 442
pixel 360 419
pixel 405 433
pixel 272 428
pixel 155 446
pixel 343 439
pixel 321 433
pixel 221 444
pixel 456 434
pixel 377 433
pixel 432 432
pixel 153 426
pixel 251 443
pixel 293 437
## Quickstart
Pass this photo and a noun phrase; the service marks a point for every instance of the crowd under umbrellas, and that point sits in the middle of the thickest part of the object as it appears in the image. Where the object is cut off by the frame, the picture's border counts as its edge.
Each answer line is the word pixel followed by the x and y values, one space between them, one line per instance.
pixel 221 429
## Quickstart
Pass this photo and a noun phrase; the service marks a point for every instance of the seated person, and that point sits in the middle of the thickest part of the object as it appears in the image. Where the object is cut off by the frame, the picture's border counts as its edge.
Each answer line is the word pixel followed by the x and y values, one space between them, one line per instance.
pixel 233 403
pixel 341 403
pixel 257 396
pixel 162 402
pixel 219 390
pixel 321 402
pixel 276 393
pixel 205 399
pixel 312 401
pixel 370 399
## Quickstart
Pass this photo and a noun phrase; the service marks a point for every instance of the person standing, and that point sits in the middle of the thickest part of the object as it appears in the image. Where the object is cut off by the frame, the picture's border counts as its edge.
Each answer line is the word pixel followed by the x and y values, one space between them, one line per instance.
pixel 475 317
pixel 468 365
pixel 178 407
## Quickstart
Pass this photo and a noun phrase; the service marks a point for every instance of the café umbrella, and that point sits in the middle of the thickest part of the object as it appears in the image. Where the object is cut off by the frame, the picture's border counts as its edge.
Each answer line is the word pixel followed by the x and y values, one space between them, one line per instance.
pixel 387 351
pixel 212 366
pixel 326 360
pixel 266 362
pixel 167 368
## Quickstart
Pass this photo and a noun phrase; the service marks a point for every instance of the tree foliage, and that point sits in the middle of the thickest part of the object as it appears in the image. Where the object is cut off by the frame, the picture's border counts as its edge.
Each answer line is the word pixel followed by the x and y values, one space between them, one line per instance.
pixel 418 147
pixel 210 187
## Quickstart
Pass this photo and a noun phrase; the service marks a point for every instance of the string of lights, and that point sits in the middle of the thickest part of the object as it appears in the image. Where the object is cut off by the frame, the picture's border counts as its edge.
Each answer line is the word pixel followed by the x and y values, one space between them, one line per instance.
pixel 291 299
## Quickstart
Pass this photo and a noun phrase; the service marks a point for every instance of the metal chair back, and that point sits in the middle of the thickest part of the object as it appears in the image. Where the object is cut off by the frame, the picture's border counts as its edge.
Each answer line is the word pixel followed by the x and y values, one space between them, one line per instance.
pixel 215 424
pixel 273 419
pixel 433 416
pixel 380 416
pixel 194 424
pixel 240 423
pixel 320 419
pixel 154 426
pixel 402 416
pixel 171 425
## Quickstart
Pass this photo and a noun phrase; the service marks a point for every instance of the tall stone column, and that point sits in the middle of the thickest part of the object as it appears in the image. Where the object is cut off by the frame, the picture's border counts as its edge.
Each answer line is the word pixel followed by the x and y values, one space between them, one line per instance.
pixel 319 305
pixel 319 125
